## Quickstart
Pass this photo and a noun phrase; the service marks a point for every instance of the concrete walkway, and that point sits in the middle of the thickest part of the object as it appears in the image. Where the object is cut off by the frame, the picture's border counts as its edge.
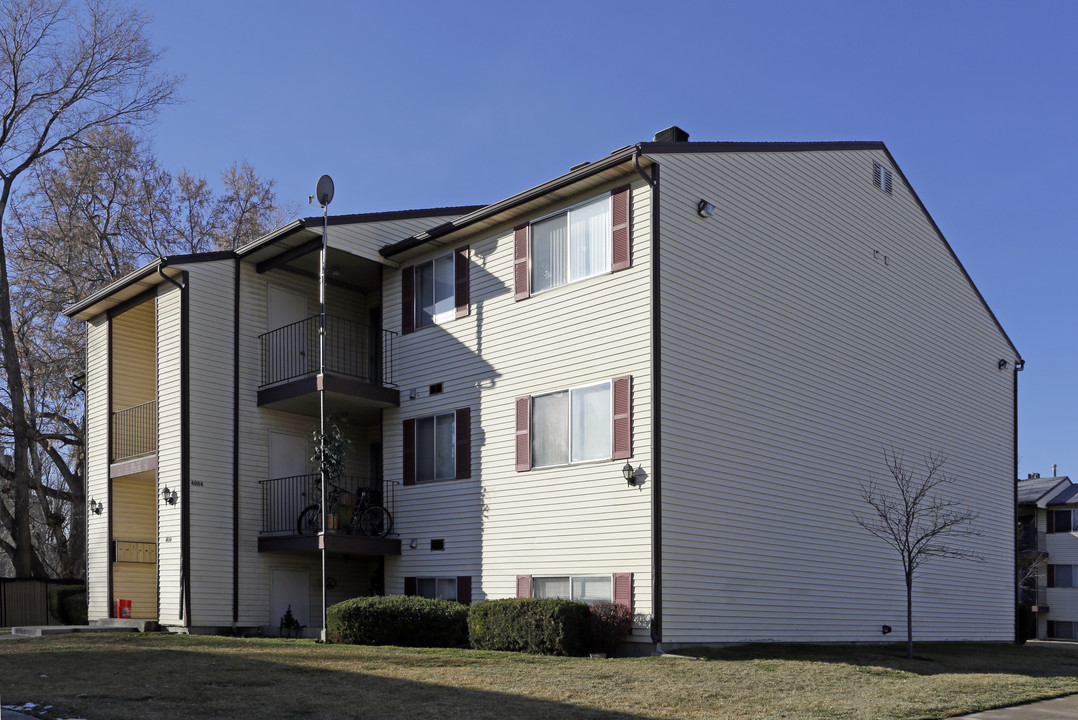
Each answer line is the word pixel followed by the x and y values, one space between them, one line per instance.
pixel 1064 708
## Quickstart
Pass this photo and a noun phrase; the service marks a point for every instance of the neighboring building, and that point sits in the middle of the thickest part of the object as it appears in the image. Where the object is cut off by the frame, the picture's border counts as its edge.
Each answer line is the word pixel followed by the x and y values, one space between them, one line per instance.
pixel 748 325
pixel 1048 545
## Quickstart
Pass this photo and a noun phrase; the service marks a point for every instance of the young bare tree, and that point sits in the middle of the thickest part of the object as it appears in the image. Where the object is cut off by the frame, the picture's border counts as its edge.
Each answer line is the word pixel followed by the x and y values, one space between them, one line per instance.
pixel 915 520
pixel 65 69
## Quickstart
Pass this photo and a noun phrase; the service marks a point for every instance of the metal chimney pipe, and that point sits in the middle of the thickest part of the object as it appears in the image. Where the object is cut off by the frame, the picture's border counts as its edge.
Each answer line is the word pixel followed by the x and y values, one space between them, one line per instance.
pixel 1054 471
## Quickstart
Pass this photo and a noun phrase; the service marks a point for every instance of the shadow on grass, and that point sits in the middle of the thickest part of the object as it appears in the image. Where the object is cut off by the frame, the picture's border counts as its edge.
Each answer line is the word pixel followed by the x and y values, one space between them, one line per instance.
pixel 930 658
pixel 147 678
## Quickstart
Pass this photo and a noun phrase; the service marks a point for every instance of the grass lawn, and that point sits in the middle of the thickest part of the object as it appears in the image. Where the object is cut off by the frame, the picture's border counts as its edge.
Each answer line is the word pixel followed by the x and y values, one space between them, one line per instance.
pixel 118 676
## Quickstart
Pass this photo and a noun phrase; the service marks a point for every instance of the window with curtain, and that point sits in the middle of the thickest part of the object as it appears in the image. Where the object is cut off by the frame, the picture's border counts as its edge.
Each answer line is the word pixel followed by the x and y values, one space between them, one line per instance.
pixel 435 302
pixel 589 589
pixel 435 447
pixel 572 245
pixel 571 426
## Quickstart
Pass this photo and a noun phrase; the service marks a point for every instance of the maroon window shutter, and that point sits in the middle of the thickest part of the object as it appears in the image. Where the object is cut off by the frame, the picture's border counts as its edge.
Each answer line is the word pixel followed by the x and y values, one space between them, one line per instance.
pixel 409 586
pixel 464 443
pixel 461 276
pixel 407 300
pixel 623 420
pixel 408 473
pixel 1051 521
pixel 521 274
pixel 524 435
pixel 464 589
pixel 620 257
pixel 524 586
pixel 623 589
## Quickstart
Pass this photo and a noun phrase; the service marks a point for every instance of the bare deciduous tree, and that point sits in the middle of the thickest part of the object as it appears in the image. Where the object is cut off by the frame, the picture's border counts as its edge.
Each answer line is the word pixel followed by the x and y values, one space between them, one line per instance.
pixel 65 70
pixel 83 218
pixel 915 520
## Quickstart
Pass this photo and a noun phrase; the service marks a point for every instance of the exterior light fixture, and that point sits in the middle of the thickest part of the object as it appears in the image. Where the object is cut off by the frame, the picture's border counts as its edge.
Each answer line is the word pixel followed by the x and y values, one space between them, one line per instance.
pixel 169 496
pixel 1003 364
pixel 634 478
pixel 704 209
pixel 95 507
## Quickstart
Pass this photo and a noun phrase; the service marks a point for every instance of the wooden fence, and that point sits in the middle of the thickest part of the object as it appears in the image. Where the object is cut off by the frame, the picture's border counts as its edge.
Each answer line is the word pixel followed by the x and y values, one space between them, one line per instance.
pixel 26 601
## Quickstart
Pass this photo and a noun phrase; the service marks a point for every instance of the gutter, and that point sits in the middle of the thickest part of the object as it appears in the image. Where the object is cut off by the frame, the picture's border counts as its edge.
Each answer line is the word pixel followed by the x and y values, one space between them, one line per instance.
pixel 611 161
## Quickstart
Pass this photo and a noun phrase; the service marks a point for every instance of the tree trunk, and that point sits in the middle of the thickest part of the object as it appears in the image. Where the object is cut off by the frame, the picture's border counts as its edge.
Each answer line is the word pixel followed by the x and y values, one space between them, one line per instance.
pixel 909 615
pixel 9 351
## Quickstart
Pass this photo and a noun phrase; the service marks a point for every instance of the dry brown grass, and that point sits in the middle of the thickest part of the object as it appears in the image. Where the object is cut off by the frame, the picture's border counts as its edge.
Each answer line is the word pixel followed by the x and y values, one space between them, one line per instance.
pixel 159 676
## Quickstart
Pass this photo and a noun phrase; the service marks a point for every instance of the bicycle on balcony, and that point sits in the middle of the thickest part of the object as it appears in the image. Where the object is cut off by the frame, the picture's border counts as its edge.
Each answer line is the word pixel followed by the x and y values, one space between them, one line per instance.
pixel 367 517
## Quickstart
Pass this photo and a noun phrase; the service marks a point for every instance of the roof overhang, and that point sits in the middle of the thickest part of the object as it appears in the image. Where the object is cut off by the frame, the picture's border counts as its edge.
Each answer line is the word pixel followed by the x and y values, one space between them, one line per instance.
pixel 131 285
pixel 593 174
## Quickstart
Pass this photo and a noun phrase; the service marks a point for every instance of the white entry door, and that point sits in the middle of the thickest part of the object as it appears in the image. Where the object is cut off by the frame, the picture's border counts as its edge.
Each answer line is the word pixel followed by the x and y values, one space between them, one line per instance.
pixel 287 354
pixel 290 587
pixel 288 485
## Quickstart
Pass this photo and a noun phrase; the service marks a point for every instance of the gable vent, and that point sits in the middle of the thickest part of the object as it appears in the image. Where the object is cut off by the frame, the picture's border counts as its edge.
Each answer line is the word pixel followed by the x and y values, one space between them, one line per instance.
pixel 881 177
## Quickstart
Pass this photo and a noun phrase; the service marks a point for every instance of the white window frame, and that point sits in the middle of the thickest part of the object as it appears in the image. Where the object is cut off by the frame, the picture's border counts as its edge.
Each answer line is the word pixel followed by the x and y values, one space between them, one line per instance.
pixel 434 447
pixel 437 318
pixel 437 579
pixel 569 426
pixel 570 578
pixel 569 240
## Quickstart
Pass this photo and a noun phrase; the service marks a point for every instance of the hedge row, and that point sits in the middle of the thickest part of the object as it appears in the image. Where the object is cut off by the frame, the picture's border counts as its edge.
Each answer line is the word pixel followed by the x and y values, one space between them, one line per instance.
pixel 544 626
pixel 398 620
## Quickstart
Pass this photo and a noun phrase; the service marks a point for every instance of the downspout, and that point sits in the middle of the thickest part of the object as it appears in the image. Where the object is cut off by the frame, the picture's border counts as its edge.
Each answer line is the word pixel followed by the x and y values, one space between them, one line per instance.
pixel 235 444
pixel 160 271
pixel 652 180
pixel 1019 366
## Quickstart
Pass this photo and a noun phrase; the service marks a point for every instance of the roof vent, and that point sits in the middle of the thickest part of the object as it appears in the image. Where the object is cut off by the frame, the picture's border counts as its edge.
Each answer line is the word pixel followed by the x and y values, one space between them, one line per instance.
pixel 1034 476
pixel 672 134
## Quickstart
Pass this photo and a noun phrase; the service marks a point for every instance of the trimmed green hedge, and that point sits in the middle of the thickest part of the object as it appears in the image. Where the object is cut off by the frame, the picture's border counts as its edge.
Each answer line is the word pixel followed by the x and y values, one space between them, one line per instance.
pixel 398 620
pixel 545 626
pixel 610 624
pixel 67 603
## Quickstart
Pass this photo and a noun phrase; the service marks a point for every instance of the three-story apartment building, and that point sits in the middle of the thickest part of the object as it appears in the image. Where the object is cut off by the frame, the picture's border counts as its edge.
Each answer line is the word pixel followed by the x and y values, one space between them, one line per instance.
pixel 657 379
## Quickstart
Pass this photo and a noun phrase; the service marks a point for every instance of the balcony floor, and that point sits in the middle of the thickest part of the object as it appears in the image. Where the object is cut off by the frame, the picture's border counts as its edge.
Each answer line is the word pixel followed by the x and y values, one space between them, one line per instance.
pixel 301 395
pixel 334 542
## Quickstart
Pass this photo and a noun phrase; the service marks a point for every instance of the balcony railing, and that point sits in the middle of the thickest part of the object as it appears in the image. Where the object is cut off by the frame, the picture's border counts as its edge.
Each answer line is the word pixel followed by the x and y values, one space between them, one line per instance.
pixel 134 431
pixel 285 501
pixel 1033 597
pixel 352 349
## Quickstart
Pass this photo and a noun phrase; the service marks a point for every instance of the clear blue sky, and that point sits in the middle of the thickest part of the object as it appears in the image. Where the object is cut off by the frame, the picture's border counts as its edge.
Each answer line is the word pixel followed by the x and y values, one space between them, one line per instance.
pixel 424 104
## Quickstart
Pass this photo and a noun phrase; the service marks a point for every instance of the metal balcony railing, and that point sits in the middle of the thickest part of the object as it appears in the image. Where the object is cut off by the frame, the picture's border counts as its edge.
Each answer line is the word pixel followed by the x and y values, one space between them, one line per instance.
pixel 285 500
pixel 134 431
pixel 352 349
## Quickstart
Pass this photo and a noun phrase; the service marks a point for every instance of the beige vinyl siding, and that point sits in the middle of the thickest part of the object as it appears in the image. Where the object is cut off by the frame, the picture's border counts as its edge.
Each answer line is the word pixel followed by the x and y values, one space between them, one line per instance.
pixel 1062 550
pixel 135 520
pixel 169 452
pixel 579 519
pixel 210 333
pixel 792 355
pixel 133 357
pixel 97 466
pixel 366 239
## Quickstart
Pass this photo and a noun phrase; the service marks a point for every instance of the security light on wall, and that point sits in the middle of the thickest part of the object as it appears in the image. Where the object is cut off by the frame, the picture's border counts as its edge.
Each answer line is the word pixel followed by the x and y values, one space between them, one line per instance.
pixel 705 209
pixel 95 507
pixel 169 496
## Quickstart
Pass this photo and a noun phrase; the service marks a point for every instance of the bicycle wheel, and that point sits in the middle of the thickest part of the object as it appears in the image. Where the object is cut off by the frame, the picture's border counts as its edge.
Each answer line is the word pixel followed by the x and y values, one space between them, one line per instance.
pixel 375 521
pixel 309 521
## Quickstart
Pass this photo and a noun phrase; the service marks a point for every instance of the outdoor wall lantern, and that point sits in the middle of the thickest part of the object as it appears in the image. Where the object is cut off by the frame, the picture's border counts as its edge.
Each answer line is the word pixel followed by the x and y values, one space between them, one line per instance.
pixel 705 209
pixel 633 477
pixel 95 507
pixel 169 496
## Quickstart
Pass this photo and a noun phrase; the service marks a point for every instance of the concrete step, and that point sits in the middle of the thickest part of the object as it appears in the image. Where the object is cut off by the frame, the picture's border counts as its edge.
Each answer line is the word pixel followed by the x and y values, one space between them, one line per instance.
pixel 137 624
